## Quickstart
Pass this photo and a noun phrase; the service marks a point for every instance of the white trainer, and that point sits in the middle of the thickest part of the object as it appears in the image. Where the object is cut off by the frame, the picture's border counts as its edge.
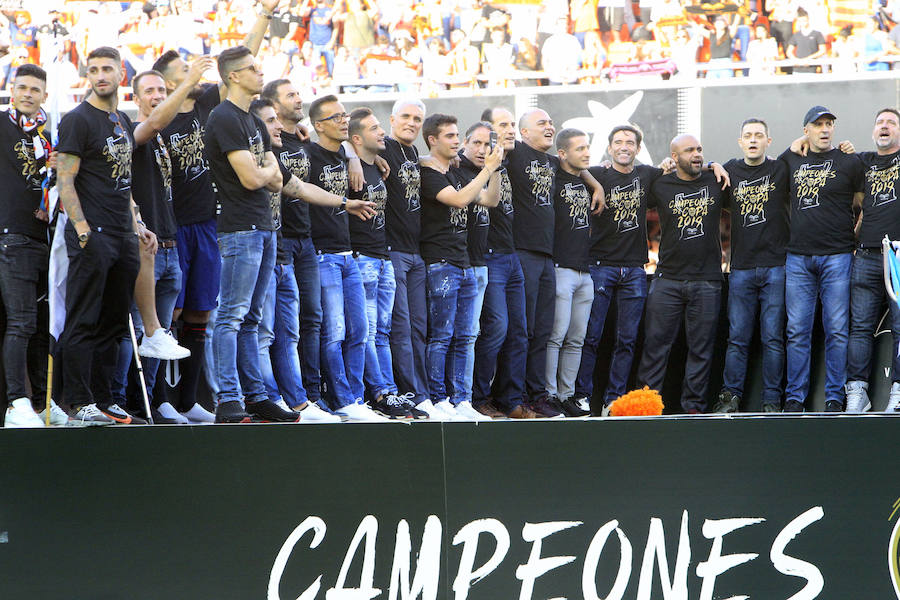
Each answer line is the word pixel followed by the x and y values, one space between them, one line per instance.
pixel 360 413
pixel 89 416
pixel 468 412
pixel 280 403
pixel 163 346
pixel 58 417
pixel 893 404
pixel 199 415
pixel 21 415
pixel 168 411
pixel 313 413
pixel 434 414
pixel 446 407
pixel 857 397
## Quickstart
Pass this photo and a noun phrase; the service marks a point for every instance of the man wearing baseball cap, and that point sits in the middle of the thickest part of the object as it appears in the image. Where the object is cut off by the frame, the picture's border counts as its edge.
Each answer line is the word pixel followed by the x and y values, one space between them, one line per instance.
pixel 822 188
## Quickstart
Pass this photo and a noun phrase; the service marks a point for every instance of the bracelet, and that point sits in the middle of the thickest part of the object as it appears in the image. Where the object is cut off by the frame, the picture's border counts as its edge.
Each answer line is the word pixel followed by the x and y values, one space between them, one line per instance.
pixel 139 222
pixel 265 14
pixel 709 166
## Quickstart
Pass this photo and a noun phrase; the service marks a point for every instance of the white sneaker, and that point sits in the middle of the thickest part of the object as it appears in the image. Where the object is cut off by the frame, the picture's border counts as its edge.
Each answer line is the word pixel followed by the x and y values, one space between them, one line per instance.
pixel 166 410
pixel 313 413
pixel 21 415
pixel 857 397
pixel 280 403
pixel 448 409
pixel 361 413
pixel 89 416
pixel 58 417
pixel 468 412
pixel 893 404
pixel 199 415
pixel 434 414
pixel 163 346
pixel 604 412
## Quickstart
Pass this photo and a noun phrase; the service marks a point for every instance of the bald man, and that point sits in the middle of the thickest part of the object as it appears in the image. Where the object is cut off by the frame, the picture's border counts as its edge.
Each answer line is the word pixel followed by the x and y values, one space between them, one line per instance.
pixel 688 282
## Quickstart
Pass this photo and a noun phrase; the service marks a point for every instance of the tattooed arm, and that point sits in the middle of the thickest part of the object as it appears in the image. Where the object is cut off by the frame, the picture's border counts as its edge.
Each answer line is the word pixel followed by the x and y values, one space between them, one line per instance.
pixel 67 166
pixel 313 194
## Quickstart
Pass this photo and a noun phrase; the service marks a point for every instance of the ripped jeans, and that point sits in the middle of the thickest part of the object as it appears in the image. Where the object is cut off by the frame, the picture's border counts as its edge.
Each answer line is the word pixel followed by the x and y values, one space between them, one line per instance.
pixel 451 302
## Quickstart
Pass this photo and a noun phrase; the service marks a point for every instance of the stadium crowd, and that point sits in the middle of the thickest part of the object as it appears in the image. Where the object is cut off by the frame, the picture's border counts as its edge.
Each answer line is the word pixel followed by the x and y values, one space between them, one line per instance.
pixel 330 272
pixel 424 47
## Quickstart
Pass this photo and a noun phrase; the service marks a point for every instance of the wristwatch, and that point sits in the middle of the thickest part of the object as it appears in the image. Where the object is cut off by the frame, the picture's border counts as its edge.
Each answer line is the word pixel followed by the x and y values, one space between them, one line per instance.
pixel 343 204
pixel 83 237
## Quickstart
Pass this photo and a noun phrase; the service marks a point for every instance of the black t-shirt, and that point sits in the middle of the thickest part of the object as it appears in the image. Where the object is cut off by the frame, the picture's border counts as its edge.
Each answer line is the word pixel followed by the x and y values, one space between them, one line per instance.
pixel 822 187
pixel 500 233
pixel 759 213
pixel 531 174
pixel 572 234
pixel 330 226
pixel 478 219
pixel 230 129
pixel 443 227
pixel 806 44
pixel 619 233
pixel 294 211
pixel 880 207
pixel 103 182
pixel 690 247
pixel 403 213
pixel 193 194
pixel 21 193
pixel 276 204
pixel 152 187
pixel 367 237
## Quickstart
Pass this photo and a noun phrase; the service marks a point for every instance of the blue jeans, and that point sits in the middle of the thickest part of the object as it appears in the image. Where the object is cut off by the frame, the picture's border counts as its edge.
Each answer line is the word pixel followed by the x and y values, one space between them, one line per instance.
pixel 344 328
pixel 669 303
pixel 503 333
pixel 828 279
pixel 481 275
pixel 378 281
pixel 167 272
pixel 248 258
pixel 629 285
pixel 867 296
pixel 409 324
pixel 750 290
pixel 323 50
pixel 451 302
pixel 306 270
pixel 540 302
pixel 279 335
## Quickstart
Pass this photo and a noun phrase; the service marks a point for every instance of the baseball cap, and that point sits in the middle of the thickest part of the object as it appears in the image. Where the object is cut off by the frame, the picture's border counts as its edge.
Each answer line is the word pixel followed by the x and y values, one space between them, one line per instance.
pixel 815 112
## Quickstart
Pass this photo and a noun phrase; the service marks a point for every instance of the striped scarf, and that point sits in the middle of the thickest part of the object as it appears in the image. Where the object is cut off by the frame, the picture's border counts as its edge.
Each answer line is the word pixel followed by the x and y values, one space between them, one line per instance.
pixel 33 127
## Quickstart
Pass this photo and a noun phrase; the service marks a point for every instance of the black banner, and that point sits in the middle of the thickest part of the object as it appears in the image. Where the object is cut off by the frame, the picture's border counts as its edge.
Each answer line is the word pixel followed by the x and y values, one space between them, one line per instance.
pixel 664 509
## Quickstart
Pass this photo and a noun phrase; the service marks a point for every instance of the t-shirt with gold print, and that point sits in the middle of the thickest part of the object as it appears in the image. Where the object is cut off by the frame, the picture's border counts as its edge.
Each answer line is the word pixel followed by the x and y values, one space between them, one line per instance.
pixel 759 213
pixel 330 225
pixel 21 194
pixel 572 235
pixel 367 237
pixel 152 189
pixel 230 129
pixel 880 207
pixel 294 211
pixel 103 182
pixel 444 228
pixel 822 185
pixel 531 174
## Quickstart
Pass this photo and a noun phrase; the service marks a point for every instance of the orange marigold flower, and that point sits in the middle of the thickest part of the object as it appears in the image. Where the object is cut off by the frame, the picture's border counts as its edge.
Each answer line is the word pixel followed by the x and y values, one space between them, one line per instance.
pixel 637 403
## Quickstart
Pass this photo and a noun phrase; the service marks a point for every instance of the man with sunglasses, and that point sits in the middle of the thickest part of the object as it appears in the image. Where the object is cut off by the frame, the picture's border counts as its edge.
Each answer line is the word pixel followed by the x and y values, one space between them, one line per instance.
pixel 94 181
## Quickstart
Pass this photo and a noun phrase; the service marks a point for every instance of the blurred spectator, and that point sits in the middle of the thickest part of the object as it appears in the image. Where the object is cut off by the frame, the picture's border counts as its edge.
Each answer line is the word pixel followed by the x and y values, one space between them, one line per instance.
pixel 593 58
pixel 322 32
pixel 584 19
pixel 23 34
pixel 846 48
pixel 497 59
pixel 806 43
pixel 683 51
pixel 611 18
pixel 721 47
pixel 782 14
pixel 761 52
pixel 464 60
pixel 359 19
pixel 875 45
pixel 561 58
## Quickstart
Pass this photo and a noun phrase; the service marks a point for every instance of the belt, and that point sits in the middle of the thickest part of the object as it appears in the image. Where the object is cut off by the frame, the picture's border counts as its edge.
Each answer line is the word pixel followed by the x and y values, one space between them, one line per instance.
pixel 166 244
pixel 868 250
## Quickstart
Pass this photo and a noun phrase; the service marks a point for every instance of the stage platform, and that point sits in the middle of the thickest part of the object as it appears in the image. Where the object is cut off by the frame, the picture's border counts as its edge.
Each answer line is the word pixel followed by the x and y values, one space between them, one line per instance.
pixel 667 508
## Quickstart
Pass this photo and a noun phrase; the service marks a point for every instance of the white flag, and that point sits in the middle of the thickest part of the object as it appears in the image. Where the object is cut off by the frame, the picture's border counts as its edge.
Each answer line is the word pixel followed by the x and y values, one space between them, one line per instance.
pixel 59 269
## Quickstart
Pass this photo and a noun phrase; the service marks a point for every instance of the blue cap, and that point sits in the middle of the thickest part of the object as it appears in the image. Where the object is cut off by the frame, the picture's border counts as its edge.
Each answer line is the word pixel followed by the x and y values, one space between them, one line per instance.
pixel 816 112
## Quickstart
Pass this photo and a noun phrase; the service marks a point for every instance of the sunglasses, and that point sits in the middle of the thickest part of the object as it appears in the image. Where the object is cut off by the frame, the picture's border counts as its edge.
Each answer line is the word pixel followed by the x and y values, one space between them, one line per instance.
pixel 253 67
pixel 117 125
pixel 336 117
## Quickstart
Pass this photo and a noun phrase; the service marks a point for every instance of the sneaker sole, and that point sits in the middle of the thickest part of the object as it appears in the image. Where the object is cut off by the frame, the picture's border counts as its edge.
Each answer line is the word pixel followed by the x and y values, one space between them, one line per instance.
pixel 233 421
pixel 77 423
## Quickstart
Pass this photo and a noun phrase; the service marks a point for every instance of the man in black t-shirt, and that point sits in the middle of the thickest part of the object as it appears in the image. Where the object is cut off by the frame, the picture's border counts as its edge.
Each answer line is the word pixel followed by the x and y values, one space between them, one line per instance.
pixel 23 242
pixel 574 287
pixel 759 235
pixel 617 255
pixel 880 217
pixel 245 172
pixel 195 204
pixel 819 256
pixel 688 283
pixel 451 283
pixel 94 182
pixel 500 351
pixel 805 43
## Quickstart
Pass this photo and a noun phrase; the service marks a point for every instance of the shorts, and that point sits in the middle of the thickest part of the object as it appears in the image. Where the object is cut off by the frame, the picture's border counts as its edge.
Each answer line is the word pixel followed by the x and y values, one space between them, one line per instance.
pixel 201 265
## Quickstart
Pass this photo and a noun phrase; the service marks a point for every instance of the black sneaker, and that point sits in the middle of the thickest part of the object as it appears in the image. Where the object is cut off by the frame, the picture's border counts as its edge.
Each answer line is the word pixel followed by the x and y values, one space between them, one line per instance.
pixel 771 408
pixel 231 411
pixel 121 416
pixel 391 406
pixel 582 402
pixel 571 408
pixel 727 402
pixel 835 406
pixel 409 401
pixel 266 411
pixel 545 406
pixel 159 419
pixel 793 406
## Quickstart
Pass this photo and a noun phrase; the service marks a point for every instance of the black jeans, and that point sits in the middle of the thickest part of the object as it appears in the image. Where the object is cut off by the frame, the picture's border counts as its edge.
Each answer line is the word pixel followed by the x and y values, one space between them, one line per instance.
pixel 540 309
pixel 670 302
pixel 23 267
pixel 99 292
